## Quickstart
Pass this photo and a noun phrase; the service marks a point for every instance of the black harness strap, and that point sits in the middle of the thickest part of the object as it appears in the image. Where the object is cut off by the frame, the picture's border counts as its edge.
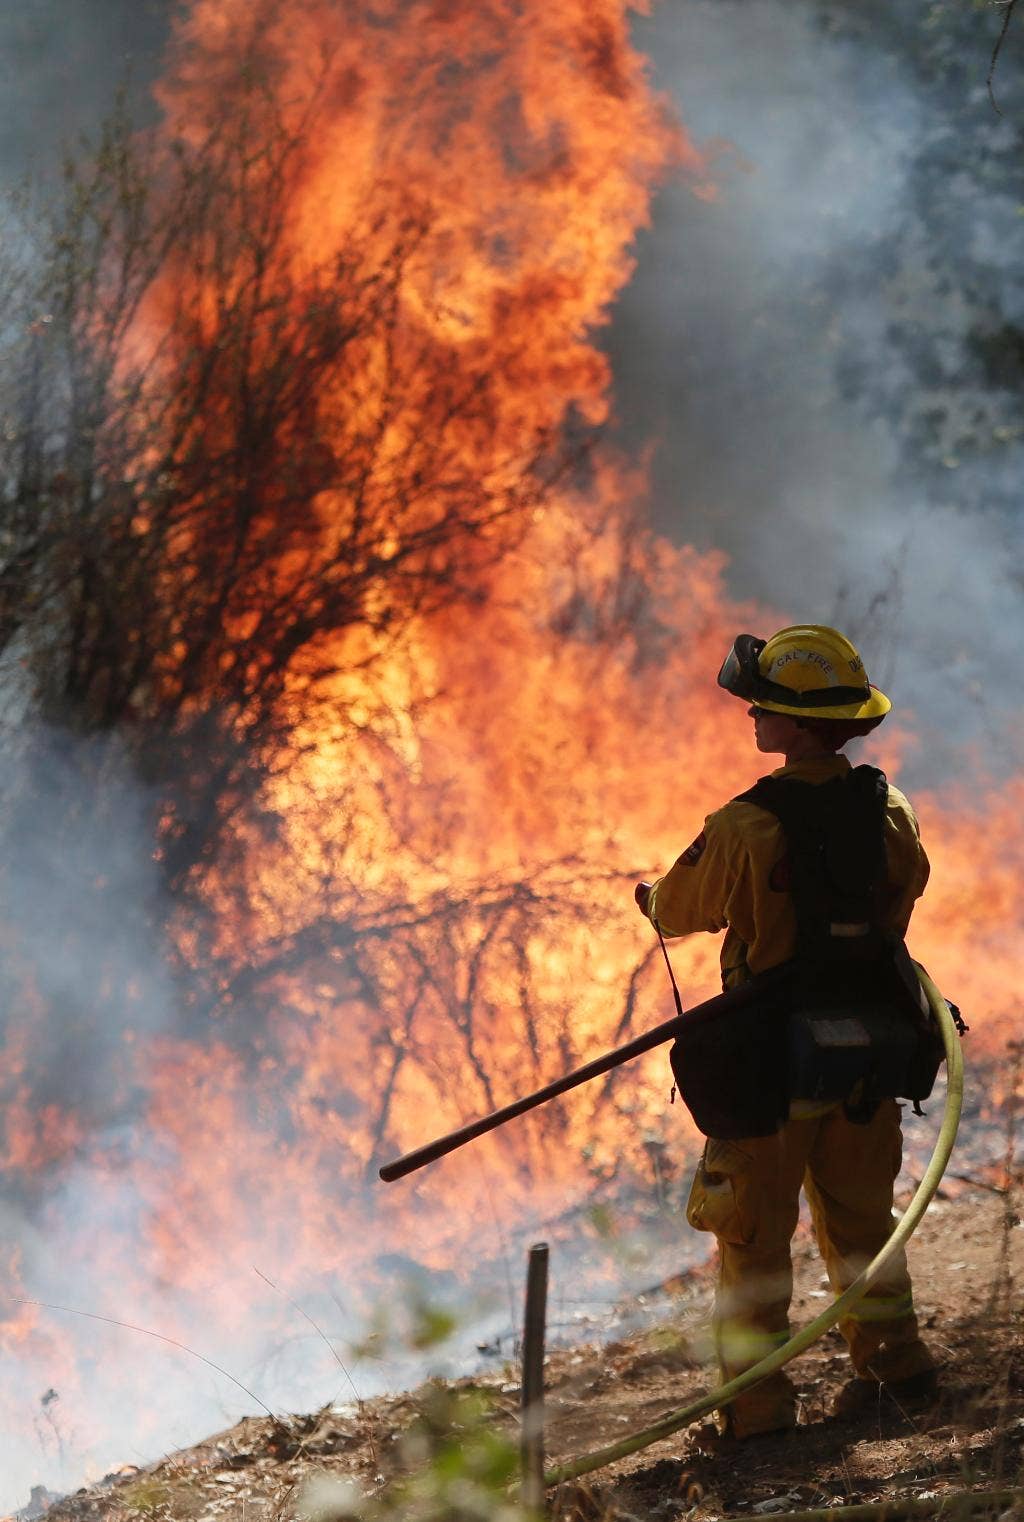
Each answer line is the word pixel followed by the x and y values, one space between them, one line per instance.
pixel 857 1029
pixel 846 1026
pixel 834 833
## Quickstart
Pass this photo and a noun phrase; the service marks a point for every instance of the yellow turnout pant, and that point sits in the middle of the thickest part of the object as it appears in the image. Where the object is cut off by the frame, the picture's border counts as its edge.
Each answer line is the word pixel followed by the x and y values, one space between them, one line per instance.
pixel 748 1193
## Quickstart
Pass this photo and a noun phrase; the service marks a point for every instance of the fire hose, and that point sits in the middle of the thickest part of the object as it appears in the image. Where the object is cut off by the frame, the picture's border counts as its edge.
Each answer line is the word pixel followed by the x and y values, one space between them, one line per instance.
pixel 713 1009
pixel 674 1421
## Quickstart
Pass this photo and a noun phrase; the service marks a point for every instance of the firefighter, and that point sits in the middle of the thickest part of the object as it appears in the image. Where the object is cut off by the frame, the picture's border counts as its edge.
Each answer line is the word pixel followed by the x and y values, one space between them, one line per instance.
pixel 809 697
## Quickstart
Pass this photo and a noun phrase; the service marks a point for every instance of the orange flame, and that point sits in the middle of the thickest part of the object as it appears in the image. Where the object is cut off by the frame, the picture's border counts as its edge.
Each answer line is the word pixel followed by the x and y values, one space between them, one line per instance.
pixel 445 919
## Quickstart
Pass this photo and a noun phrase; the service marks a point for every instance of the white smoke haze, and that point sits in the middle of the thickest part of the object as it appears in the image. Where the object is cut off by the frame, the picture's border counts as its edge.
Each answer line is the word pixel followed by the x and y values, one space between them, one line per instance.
pixel 736 343
pixel 827 261
pixel 80 907
pixel 60 66
pixel 767 343
pixel 82 1394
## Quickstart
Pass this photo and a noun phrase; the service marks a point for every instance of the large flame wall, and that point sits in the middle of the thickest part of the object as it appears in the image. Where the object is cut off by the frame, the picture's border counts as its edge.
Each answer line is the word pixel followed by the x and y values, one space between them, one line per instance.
pixel 445 918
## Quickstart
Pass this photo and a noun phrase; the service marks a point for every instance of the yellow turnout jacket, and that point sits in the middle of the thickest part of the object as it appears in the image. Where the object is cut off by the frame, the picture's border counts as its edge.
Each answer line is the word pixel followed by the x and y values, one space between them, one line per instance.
pixel 734 878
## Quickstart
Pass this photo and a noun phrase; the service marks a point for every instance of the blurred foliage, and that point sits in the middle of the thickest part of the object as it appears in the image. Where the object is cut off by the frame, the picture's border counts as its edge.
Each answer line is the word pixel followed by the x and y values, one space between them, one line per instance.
pixel 455 1467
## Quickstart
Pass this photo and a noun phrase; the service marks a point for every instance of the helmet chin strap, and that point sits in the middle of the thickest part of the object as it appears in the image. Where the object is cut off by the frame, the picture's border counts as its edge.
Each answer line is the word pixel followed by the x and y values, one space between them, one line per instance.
pixel 812 746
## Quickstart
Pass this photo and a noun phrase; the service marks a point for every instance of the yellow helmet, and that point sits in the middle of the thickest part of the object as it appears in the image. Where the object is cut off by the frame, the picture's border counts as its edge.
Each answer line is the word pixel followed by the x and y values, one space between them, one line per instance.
pixel 808 670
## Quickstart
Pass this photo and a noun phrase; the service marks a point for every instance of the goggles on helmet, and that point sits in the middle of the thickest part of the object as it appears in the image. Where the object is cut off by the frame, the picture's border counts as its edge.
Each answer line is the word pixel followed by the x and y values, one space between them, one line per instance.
pixel 741 675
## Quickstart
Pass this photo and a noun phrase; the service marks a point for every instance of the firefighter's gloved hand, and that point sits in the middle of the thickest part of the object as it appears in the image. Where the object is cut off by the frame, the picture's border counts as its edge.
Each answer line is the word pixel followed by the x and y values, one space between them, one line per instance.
pixel 642 893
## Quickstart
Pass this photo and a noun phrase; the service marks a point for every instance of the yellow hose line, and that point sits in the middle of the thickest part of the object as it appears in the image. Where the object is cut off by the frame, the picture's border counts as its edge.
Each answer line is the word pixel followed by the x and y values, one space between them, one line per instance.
pixel 956 1504
pixel 674 1420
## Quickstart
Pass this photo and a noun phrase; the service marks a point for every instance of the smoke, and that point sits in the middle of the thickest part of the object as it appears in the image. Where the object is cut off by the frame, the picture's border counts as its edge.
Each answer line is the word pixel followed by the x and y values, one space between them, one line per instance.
pixel 86 995
pixel 805 349
pixel 827 355
pixel 61 65
pixel 816 354
pixel 84 978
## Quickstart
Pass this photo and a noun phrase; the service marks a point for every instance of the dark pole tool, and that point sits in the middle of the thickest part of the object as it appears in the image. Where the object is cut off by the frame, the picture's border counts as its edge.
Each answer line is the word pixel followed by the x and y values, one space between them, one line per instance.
pixel 711 1009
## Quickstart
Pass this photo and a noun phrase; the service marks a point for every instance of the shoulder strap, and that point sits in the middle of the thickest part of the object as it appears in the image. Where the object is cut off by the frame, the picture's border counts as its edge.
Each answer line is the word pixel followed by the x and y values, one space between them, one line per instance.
pixel 835 837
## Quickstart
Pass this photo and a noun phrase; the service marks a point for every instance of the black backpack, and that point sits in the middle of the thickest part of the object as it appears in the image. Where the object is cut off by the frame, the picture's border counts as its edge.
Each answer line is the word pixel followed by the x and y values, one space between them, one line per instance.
pixel 850 1023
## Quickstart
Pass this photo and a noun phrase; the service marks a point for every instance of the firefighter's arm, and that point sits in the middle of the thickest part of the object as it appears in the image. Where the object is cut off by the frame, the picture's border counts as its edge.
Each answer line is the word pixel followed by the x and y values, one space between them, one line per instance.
pixel 906 860
pixel 694 891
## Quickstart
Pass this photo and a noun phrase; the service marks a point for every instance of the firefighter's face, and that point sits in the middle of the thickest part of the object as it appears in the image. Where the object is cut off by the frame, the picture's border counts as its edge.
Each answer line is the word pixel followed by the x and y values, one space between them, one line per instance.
pixel 774 733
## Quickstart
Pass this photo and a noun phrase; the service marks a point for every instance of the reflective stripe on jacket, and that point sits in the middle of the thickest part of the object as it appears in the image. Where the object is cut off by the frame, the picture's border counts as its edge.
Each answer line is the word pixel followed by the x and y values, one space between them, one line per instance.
pixel 733 877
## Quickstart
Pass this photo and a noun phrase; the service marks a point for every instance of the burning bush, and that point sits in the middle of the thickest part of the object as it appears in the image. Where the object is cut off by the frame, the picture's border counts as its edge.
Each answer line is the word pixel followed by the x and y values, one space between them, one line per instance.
pixel 351 691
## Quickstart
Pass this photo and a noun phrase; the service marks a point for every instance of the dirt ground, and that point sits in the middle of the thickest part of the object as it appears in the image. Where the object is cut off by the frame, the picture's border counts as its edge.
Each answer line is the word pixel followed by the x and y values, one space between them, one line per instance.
pixel 966 1258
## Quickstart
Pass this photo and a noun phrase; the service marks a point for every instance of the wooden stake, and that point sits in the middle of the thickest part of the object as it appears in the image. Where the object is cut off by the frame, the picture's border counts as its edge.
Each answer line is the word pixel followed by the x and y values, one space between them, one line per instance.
pixel 532 1428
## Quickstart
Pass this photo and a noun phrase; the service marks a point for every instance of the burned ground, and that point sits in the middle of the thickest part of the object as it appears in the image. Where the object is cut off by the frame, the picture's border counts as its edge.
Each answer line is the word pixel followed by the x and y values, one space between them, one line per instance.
pixel 967 1258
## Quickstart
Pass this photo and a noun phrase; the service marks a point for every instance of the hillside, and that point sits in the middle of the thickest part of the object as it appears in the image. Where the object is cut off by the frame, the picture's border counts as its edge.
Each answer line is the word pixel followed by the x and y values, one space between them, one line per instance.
pixel 966 1259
